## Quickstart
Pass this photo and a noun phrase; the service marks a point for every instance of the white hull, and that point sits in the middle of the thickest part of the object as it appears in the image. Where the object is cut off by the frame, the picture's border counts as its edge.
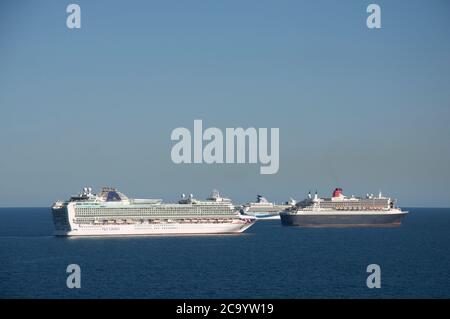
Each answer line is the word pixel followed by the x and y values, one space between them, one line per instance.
pixel 272 217
pixel 155 229
pixel 263 215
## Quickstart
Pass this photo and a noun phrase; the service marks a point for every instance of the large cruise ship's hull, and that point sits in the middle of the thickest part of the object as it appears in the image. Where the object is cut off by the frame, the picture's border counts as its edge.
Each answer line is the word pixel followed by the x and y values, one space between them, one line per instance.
pixel 342 219
pixel 155 229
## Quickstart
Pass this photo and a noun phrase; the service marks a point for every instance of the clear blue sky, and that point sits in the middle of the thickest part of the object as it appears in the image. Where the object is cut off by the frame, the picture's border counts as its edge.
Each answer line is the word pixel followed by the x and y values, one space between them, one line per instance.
pixel 357 108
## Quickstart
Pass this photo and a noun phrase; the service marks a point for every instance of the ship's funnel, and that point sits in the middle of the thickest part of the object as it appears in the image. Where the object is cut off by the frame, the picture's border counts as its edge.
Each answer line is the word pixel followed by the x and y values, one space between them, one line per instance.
pixel 337 192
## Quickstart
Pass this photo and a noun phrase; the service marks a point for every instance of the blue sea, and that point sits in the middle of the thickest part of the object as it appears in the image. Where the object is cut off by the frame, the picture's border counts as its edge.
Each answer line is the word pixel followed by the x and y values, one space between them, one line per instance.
pixel 268 261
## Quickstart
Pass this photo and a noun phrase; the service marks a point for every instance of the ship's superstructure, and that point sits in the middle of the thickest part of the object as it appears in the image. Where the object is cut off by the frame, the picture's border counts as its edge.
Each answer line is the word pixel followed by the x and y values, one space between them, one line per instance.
pixel 113 213
pixel 340 210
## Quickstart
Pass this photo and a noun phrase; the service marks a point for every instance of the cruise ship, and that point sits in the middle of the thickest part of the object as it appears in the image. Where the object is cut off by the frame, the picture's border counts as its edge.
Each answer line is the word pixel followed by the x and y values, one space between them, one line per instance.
pixel 262 209
pixel 113 213
pixel 340 211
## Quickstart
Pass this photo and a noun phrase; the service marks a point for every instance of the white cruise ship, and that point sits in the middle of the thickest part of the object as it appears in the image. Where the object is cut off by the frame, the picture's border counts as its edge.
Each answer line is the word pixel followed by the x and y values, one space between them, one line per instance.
pixel 262 209
pixel 113 213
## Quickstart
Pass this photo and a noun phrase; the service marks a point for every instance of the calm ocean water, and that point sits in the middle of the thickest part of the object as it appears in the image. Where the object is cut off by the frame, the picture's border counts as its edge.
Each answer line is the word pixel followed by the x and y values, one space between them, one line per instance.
pixel 268 261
